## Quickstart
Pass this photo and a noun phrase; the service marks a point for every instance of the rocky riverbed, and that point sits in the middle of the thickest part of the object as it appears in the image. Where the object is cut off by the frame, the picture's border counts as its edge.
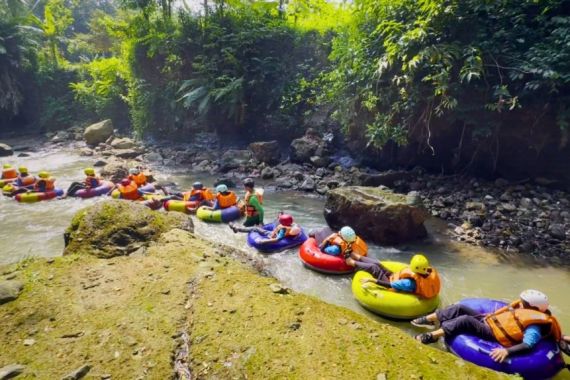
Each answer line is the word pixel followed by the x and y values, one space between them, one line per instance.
pixel 525 217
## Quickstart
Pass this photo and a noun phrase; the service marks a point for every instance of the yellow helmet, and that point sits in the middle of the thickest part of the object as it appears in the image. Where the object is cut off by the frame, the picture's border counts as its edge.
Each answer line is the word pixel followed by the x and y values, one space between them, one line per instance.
pixel 6 166
pixel 23 170
pixel 89 171
pixel 419 264
pixel 43 174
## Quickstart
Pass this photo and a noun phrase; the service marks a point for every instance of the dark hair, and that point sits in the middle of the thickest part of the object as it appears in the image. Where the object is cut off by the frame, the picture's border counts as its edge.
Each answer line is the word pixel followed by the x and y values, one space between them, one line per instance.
pixel 248 182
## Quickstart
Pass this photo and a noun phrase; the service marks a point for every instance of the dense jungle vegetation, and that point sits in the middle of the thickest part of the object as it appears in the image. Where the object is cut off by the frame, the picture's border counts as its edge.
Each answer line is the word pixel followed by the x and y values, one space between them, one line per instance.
pixel 469 82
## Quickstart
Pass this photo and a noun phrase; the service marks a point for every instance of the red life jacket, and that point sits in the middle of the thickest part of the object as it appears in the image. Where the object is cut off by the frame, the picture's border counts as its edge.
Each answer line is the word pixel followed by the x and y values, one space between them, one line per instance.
pixel 92 182
pixel 426 286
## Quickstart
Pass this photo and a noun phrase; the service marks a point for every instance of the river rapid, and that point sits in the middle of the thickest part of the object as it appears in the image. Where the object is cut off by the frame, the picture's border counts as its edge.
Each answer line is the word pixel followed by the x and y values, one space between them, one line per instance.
pixel 37 230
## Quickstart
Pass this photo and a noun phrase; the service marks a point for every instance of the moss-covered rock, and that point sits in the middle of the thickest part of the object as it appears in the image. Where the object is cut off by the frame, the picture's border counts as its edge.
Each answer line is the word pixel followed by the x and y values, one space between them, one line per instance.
pixel 378 215
pixel 117 228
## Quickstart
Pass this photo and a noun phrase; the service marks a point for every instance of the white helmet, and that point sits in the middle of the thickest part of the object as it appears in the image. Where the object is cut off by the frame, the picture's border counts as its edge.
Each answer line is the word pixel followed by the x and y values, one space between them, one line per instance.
pixel 535 298
pixel 348 234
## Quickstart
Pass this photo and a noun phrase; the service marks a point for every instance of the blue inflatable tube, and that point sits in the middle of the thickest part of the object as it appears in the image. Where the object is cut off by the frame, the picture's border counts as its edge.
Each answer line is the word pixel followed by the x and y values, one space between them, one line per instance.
pixel 285 243
pixel 542 362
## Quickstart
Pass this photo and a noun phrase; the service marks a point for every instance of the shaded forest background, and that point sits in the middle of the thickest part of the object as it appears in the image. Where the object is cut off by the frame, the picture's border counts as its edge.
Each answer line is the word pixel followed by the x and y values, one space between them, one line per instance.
pixel 456 86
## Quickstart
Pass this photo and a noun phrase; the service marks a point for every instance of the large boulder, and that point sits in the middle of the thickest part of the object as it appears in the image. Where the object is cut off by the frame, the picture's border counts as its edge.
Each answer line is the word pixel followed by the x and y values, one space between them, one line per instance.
pixel 115 170
pixel 388 178
pixel 118 228
pixel 233 159
pixel 303 148
pixel 127 153
pixel 266 151
pixel 5 150
pixel 98 132
pixel 123 143
pixel 377 215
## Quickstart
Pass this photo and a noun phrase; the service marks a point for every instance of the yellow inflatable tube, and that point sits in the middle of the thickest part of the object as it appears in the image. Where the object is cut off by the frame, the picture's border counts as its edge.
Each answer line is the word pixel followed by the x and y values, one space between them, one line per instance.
pixel 388 303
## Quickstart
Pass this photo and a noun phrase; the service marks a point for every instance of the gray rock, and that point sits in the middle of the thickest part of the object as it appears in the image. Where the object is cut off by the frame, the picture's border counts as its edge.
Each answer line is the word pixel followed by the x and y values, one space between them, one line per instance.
pixel 380 216
pixel 478 206
pixel 302 149
pixel 321 172
pixel 413 198
pixel 98 132
pixel 10 290
pixel 308 185
pixel 123 143
pixel 526 203
pixel 319 161
pixel 229 181
pixel 100 163
pixel 509 207
pixel 279 289
pixel 11 371
pixel 284 182
pixel 115 170
pixel 79 373
pixel 153 157
pixel 501 182
pixel 86 152
pixel 267 173
pixel 557 231
pixel 126 153
pixel 233 159
pixel 266 151
pixel 61 136
pixel 5 150
pixel 23 155
pixel 388 178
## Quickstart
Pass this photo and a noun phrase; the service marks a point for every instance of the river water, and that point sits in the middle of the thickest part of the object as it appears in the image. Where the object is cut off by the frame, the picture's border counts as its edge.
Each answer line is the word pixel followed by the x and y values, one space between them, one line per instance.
pixel 37 230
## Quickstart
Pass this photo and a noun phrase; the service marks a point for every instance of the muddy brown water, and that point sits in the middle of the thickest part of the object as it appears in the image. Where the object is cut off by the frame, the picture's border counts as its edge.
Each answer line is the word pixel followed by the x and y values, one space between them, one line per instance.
pixel 36 230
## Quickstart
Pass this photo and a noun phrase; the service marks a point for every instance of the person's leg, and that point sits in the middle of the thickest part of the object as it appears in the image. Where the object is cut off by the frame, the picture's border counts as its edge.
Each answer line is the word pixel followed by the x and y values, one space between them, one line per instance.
pixel 249 225
pixel 442 315
pixel 467 324
pixel 74 187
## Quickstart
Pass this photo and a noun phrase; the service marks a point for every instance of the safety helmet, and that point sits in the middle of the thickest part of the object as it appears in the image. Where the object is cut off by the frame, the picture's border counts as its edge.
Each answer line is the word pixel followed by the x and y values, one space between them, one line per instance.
pixel 197 185
pixel 535 298
pixel 6 166
pixel 286 220
pixel 134 171
pixel 125 182
pixel 43 174
pixel 23 170
pixel 89 171
pixel 248 182
pixel 419 264
pixel 221 188
pixel 348 234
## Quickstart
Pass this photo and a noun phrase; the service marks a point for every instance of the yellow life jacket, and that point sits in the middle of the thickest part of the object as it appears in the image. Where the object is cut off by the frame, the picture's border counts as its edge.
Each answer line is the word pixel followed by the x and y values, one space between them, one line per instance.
pixel 509 323
pixel 426 286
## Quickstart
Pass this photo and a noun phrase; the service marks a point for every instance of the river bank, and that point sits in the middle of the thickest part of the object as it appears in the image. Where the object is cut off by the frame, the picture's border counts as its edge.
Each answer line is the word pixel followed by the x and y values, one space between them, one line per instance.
pixel 524 217
pixel 187 308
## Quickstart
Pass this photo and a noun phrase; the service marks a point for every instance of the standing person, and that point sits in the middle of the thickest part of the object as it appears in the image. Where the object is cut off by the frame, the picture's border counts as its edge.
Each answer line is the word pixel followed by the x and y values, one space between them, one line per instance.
pixel 253 207
pixel 518 327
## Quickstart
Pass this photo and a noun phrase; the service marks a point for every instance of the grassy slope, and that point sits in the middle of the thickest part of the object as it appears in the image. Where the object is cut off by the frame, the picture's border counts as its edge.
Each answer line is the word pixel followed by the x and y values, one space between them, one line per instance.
pixel 123 314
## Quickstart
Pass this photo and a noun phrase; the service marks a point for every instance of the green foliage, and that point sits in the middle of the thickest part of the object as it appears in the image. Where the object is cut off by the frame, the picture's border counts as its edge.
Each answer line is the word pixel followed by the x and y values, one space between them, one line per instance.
pixel 407 64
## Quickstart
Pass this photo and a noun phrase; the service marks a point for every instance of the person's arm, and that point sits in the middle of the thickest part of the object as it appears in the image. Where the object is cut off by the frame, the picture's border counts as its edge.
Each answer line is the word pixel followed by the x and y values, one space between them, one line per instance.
pixel 405 285
pixel 531 337
pixel 280 235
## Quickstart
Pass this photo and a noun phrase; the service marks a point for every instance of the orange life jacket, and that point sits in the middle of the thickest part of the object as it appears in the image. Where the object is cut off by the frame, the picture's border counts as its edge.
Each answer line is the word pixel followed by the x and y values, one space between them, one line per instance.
pixel 49 184
pixel 92 181
pixel 198 195
pixel 249 209
pixel 358 246
pixel 140 179
pixel 9 173
pixel 509 323
pixel 25 181
pixel 290 231
pixel 130 191
pixel 426 286
pixel 228 200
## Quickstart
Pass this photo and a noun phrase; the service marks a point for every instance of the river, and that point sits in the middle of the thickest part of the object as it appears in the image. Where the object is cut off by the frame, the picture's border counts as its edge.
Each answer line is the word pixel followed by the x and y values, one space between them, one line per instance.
pixel 467 271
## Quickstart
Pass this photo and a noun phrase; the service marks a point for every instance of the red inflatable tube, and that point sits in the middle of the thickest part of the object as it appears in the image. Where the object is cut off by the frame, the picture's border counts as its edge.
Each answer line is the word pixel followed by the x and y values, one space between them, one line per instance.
pixel 315 259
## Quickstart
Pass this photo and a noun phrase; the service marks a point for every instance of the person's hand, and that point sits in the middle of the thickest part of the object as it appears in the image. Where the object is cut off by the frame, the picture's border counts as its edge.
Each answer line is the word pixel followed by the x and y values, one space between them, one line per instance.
pixel 499 354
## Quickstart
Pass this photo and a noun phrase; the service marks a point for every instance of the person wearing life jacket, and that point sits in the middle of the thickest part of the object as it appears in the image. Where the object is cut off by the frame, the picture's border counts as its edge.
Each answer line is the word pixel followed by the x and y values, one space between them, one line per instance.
pixel 91 181
pixel 24 179
pixel 129 190
pixel 137 176
pixel 224 198
pixel 9 172
pixel 285 228
pixel 518 327
pixel 45 183
pixel 344 243
pixel 418 278
pixel 254 212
